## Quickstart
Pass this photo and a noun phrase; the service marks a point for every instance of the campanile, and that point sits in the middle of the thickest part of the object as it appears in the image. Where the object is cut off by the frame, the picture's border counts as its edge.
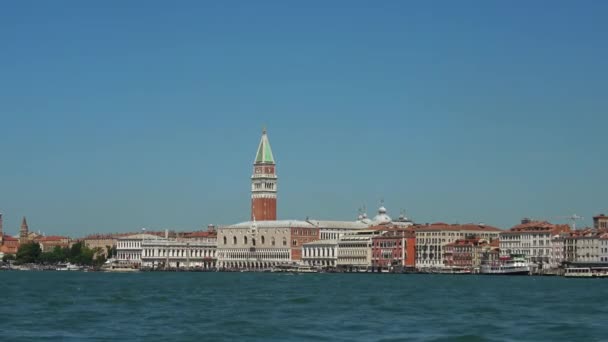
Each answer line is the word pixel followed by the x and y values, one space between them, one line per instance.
pixel 264 183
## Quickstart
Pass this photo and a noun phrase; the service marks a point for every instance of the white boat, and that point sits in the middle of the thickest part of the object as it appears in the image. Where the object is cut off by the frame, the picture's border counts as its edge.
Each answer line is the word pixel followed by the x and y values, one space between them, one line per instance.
pixel 586 272
pixel 68 267
pixel 513 265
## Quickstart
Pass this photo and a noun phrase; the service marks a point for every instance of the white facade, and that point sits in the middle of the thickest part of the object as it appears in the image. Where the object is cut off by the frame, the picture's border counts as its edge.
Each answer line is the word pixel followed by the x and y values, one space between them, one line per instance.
pixel 258 245
pixel 320 253
pixel 583 249
pixel 355 250
pixel 128 248
pixel 604 249
pixel 431 241
pixel 539 247
pixel 163 253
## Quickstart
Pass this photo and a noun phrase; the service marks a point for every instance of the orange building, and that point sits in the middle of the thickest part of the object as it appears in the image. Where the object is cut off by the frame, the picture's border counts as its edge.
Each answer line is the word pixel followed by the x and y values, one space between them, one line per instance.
pixel 9 245
pixel 396 247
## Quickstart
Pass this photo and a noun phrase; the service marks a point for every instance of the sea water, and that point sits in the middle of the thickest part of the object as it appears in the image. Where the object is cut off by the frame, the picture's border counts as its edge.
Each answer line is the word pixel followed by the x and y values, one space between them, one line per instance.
pixel 74 306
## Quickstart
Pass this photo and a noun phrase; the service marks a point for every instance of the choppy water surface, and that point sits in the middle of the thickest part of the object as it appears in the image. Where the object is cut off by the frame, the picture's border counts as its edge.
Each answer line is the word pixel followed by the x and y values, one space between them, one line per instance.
pixel 63 306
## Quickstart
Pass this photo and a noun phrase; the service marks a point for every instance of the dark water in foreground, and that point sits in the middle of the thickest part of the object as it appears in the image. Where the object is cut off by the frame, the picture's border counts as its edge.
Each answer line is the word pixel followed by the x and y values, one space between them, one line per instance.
pixel 62 306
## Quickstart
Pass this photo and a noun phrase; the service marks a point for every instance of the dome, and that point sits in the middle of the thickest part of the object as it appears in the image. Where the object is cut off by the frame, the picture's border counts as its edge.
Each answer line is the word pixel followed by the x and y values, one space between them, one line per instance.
pixel 382 218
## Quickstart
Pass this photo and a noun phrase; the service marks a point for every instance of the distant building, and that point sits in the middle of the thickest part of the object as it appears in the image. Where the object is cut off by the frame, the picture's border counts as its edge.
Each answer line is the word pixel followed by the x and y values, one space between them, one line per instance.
pixel 171 253
pixel 534 240
pixel 394 248
pixel 586 246
pixel 470 253
pixel 355 250
pixel 101 242
pixel 129 248
pixel 48 243
pixel 600 221
pixel 320 253
pixel 263 244
pixel 431 240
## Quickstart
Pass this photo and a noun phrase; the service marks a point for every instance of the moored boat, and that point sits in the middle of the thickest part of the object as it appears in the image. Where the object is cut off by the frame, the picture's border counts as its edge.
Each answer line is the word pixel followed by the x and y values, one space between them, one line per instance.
pixel 512 265
pixel 586 272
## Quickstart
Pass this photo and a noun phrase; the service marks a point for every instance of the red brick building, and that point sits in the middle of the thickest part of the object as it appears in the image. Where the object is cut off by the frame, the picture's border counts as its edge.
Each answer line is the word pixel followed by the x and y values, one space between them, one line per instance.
pixel 300 236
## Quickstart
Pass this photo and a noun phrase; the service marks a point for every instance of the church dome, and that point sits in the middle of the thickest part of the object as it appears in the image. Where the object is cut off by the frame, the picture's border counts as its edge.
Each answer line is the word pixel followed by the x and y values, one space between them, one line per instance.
pixel 382 217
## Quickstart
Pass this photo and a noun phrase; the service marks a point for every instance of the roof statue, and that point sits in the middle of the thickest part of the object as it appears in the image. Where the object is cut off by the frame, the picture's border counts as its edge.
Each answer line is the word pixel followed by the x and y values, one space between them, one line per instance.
pixel 264 154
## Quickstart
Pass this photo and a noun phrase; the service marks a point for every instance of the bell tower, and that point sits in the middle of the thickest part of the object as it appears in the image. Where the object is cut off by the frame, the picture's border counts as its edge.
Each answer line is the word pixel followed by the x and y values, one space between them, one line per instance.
pixel 264 183
pixel 23 231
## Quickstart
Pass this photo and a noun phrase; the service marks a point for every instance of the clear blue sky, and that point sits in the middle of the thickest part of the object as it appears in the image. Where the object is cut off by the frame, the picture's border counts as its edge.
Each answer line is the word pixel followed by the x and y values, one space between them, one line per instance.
pixel 118 115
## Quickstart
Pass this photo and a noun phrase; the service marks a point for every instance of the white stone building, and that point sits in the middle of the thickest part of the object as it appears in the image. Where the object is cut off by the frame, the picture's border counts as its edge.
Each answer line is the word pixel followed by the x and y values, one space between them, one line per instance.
pixel 432 238
pixel 263 244
pixel 128 248
pixel 588 246
pixel 535 241
pixel 171 253
pixel 355 250
pixel 322 253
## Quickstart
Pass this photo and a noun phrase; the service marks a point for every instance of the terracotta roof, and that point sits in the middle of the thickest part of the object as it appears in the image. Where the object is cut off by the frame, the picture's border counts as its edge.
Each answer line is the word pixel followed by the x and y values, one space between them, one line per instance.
pixel 538 227
pixel 600 216
pixel 464 242
pixel 455 227
pixel 53 238
pixel 9 238
pixel 587 233
pixel 200 234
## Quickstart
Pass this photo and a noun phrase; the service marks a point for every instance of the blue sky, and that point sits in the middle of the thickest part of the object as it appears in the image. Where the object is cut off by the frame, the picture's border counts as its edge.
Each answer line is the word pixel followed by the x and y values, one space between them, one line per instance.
pixel 116 116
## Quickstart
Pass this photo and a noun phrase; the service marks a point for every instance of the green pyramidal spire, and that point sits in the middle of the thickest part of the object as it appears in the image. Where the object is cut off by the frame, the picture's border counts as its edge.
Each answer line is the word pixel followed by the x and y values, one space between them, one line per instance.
pixel 264 155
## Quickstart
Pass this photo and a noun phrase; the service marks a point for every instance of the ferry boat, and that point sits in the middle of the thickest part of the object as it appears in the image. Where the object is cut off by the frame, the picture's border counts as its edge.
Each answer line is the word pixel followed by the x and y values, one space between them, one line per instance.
pixel 586 272
pixel 513 265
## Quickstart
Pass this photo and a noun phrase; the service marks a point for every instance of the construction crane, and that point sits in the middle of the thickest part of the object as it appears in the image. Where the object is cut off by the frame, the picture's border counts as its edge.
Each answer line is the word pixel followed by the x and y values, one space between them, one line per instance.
pixel 573 218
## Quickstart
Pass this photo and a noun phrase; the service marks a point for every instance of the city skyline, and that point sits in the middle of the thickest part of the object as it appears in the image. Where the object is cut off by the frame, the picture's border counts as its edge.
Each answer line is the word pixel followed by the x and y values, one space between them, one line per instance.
pixel 461 113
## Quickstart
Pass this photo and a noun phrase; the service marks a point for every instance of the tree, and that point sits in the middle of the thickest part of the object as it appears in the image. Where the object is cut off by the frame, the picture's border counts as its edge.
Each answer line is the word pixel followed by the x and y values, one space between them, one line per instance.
pixel 29 253
pixel 8 257
pixel 55 256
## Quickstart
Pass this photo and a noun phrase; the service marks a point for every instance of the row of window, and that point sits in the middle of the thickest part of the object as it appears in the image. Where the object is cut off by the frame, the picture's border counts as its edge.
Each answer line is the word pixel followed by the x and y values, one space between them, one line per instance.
pixel 194 253
pixel 253 241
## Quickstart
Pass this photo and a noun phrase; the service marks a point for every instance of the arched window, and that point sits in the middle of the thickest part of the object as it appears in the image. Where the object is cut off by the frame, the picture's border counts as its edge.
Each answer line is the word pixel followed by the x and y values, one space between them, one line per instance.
pixel 284 241
pixel 244 239
pixel 263 240
pixel 253 241
pixel 294 242
pixel 234 240
pixel 225 240
pixel 272 241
